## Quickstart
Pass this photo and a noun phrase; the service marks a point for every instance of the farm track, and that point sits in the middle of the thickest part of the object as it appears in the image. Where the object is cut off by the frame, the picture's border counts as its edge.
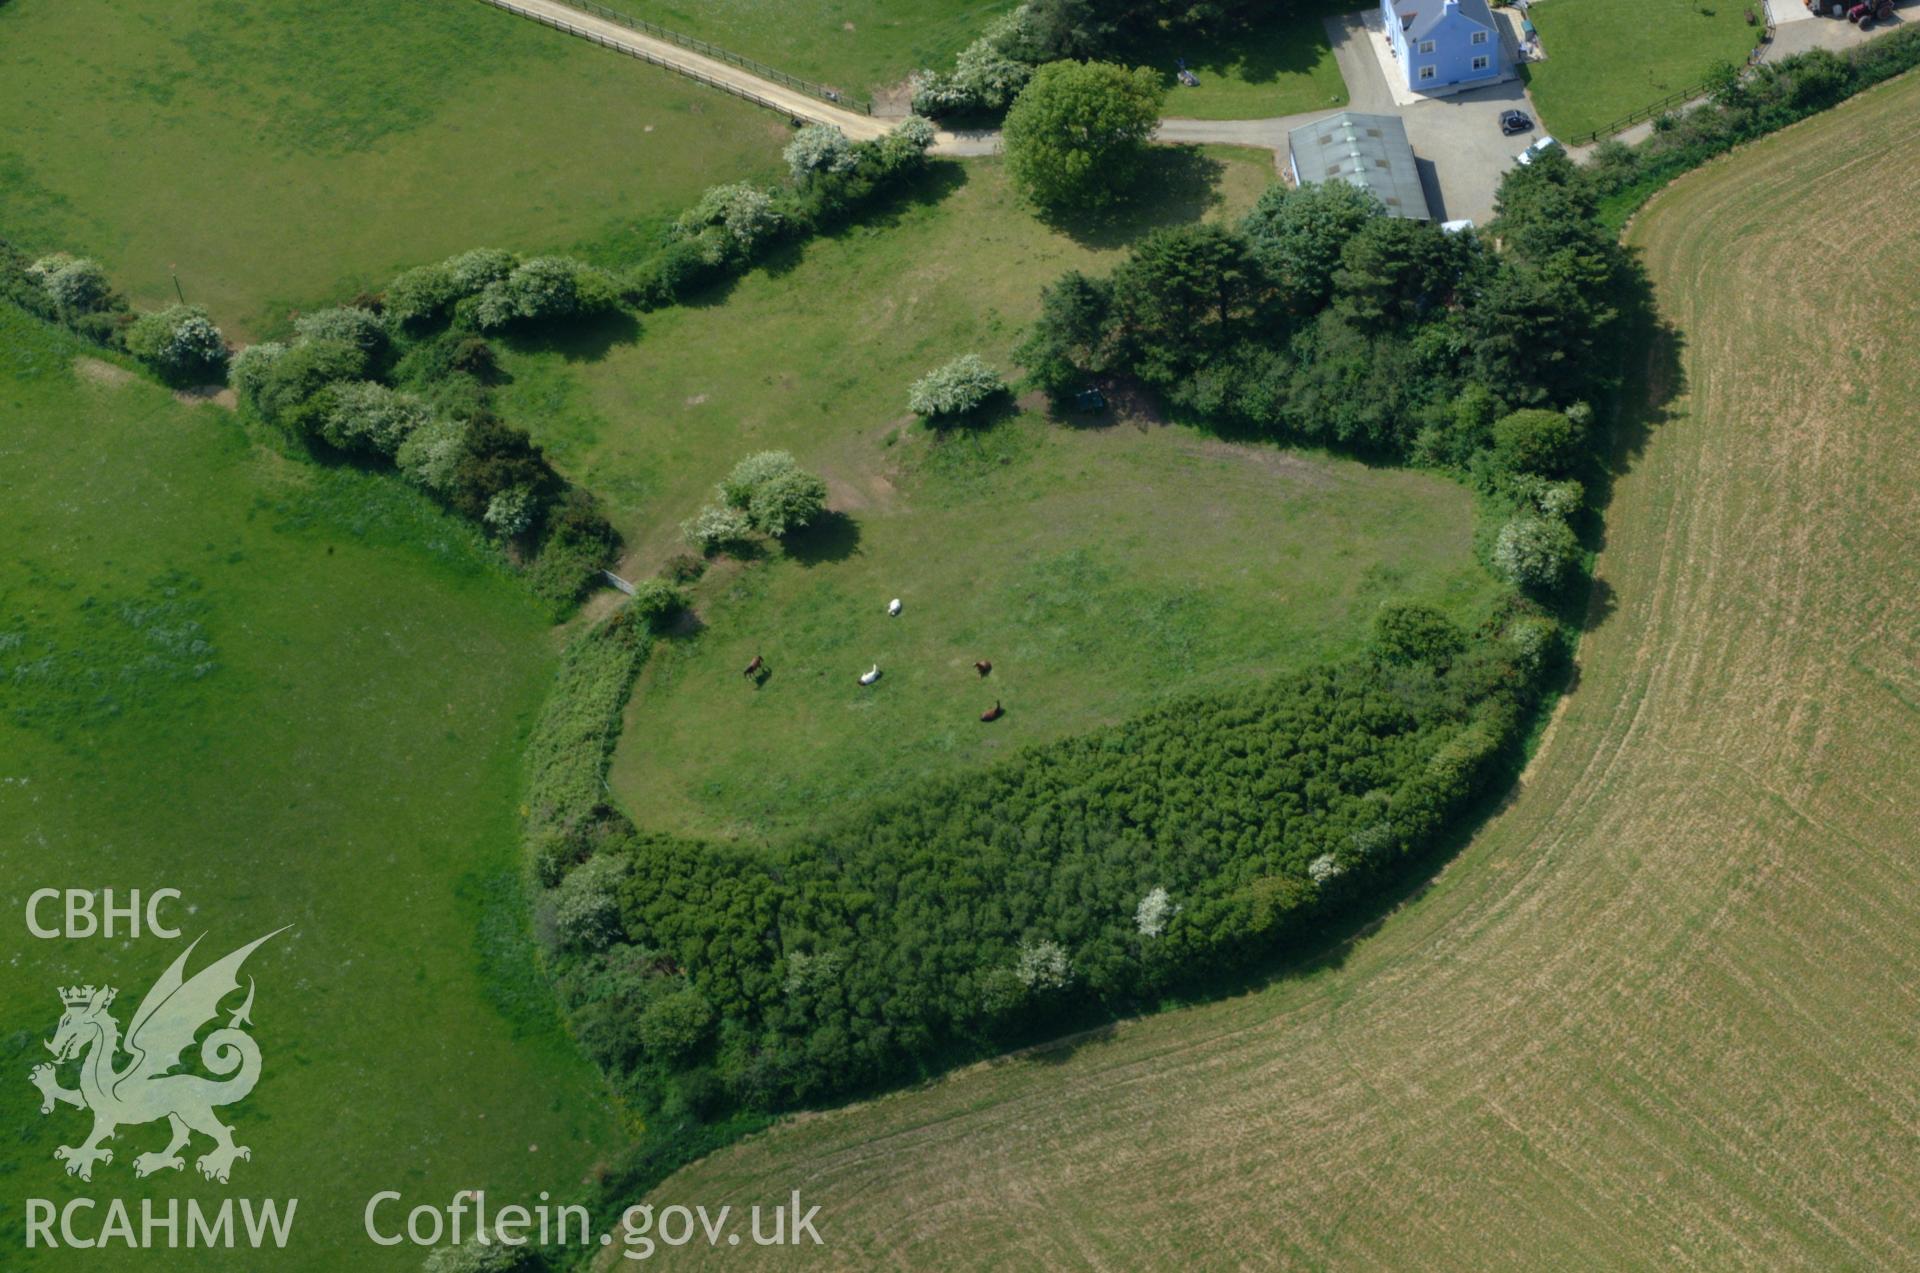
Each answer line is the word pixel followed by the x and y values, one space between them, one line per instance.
pixel 1665 1009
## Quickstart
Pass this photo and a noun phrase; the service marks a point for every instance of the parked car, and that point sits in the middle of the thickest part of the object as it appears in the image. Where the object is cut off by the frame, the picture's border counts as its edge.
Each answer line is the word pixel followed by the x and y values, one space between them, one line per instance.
pixel 1536 150
pixel 1460 226
pixel 1512 122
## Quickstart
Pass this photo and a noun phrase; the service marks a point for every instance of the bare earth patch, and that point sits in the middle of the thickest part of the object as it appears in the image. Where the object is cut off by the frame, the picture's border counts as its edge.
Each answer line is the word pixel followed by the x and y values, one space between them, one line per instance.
pixel 101 372
pixel 217 395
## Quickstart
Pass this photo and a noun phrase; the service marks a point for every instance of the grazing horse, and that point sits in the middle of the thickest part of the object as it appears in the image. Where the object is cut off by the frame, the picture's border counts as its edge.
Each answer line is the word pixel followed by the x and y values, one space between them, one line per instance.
pixel 992 713
pixel 753 668
pixel 983 667
pixel 893 607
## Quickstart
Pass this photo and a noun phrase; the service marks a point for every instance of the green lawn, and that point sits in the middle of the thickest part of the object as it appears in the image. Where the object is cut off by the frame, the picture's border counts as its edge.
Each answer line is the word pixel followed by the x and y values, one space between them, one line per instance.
pixel 1281 65
pixel 296 696
pixel 1609 58
pixel 858 45
pixel 289 152
pixel 1099 569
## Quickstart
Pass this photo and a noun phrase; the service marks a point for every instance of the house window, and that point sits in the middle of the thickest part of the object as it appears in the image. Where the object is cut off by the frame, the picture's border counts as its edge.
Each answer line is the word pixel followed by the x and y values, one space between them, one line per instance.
pixel 1480 63
pixel 1427 72
pixel 1426 46
pixel 1479 37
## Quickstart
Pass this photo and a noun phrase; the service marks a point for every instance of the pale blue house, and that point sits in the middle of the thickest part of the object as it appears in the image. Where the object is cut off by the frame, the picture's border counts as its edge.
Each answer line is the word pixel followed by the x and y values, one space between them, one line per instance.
pixel 1444 46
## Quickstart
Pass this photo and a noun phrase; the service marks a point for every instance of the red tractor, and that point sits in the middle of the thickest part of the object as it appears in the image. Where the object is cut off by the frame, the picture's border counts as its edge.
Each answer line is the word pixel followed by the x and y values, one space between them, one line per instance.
pixel 1867 12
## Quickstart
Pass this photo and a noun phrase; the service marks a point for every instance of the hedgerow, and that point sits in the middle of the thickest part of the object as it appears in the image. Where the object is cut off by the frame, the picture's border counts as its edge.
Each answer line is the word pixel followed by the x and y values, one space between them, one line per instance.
pixel 572 742
pixel 734 225
pixel 1743 107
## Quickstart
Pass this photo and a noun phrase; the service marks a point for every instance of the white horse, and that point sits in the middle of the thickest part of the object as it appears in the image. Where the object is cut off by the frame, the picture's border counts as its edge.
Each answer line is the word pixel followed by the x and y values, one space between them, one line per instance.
pixel 893 607
pixel 870 675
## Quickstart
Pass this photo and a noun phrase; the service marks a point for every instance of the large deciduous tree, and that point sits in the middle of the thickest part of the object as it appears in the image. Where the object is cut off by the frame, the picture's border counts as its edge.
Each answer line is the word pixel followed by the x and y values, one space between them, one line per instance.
pixel 1076 136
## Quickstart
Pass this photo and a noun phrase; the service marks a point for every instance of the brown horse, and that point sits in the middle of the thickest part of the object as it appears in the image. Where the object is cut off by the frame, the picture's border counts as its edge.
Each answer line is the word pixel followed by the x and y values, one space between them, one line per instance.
pixel 992 713
pixel 753 668
pixel 983 667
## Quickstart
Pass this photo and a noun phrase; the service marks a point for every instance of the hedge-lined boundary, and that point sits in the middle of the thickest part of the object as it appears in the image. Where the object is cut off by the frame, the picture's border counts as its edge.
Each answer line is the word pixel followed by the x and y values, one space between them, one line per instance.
pixel 572 743
pixel 1744 108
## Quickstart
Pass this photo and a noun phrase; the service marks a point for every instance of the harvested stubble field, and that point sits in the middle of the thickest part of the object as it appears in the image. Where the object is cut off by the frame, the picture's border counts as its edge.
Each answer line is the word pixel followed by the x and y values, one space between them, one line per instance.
pixel 1661 1012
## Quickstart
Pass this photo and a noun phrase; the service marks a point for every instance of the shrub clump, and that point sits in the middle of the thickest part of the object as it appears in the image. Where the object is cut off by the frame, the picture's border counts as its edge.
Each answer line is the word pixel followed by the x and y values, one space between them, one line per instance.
pixel 544 289
pixel 767 493
pixel 819 148
pixel 656 603
pixel 367 417
pixel 75 284
pixel 956 389
pixel 1536 553
pixel 348 324
pixel 180 343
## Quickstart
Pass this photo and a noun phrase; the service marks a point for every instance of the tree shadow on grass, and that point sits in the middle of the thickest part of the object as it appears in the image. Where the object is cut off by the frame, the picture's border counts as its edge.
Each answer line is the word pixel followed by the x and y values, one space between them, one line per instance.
pixel 587 340
pixel 834 536
pixel 1258 52
pixel 1177 185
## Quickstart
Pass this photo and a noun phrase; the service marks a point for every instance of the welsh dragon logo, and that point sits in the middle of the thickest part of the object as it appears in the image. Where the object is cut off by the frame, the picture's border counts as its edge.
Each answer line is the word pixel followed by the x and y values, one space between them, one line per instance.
pixel 146 1088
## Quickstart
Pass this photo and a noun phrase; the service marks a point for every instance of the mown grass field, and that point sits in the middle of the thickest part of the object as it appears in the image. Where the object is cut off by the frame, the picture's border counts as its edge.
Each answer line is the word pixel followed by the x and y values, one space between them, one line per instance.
pixel 855 45
pixel 288 153
pixel 1608 60
pixel 296 696
pixel 1659 1013
pixel 1099 569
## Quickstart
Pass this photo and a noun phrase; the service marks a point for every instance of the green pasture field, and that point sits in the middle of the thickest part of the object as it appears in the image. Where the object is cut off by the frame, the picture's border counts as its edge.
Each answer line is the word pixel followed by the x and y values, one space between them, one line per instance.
pixel 1099 565
pixel 1607 60
pixel 289 153
pixel 297 695
pixel 856 45
pixel 1659 1011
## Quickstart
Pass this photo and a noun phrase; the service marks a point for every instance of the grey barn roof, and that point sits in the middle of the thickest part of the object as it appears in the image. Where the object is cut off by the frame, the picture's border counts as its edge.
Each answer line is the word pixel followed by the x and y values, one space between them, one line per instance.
pixel 1420 15
pixel 1369 151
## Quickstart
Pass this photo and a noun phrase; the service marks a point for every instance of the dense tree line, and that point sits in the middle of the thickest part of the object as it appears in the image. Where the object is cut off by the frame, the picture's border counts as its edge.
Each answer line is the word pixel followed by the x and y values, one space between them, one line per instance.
pixel 1089 875
pixel 1320 317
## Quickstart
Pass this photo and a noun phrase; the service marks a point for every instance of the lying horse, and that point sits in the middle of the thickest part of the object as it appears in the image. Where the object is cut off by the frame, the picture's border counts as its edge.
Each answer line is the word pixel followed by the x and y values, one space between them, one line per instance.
pixel 992 713
pixel 871 675
pixel 983 667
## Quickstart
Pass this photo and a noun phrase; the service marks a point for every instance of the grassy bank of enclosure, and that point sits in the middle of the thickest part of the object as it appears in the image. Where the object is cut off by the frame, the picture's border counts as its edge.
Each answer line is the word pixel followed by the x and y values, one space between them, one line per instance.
pixel 298 696
pixel 1653 1014
pixel 289 153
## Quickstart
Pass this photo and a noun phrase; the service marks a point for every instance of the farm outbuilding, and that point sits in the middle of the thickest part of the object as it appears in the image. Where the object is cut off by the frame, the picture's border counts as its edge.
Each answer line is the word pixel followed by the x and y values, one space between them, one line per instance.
pixel 1369 151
